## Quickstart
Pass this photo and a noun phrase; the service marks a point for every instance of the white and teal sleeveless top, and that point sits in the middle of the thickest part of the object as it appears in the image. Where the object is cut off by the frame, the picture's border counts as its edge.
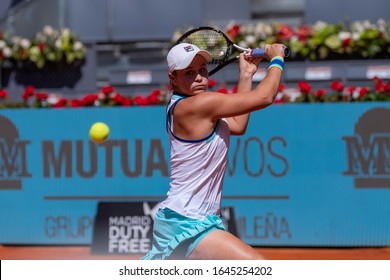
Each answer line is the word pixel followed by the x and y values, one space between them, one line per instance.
pixel 197 169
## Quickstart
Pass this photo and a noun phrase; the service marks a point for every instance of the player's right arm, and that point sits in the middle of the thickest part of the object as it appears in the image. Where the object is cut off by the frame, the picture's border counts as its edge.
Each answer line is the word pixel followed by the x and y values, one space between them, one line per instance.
pixel 248 67
pixel 217 105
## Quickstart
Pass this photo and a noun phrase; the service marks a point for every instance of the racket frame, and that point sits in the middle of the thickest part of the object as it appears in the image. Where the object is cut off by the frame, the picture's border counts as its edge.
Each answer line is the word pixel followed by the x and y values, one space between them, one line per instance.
pixel 226 60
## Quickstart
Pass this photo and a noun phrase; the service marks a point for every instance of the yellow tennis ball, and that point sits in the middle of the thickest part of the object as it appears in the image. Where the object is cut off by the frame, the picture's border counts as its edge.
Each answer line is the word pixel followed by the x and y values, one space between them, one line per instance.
pixel 99 132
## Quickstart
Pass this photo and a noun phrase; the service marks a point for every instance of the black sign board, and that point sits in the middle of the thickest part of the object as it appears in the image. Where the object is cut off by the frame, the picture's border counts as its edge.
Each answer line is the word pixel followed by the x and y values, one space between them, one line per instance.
pixel 126 227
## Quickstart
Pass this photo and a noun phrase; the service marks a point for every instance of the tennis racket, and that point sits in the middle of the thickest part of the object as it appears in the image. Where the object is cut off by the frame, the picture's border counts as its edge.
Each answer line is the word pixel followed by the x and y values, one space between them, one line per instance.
pixel 219 46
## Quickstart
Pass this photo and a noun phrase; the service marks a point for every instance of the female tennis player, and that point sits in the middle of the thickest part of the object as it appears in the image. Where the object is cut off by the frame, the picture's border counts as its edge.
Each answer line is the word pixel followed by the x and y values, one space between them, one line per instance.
pixel 199 123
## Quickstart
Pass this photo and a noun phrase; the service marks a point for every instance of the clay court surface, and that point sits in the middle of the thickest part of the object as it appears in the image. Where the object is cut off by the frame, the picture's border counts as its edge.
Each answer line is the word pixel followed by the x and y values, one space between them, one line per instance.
pixel 84 253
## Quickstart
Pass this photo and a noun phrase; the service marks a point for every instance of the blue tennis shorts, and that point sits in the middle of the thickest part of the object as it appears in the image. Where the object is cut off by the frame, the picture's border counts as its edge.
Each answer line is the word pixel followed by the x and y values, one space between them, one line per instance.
pixel 176 235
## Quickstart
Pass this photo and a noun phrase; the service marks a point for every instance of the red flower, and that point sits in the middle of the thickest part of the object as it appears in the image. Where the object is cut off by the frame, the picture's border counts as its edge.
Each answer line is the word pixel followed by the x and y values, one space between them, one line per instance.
pixel 350 90
pixel 363 91
pixel 107 90
pixel 377 80
pixel 346 43
pixel 337 86
pixel 140 100
pixel 28 92
pixel 304 87
pixel 168 86
pixel 117 98
pixel 279 101
pixel 303 32
pixel 156 92
pixel 379 87
pixel 233 31
pixel 387 87
pixel 121 100
pixel 235 89
pixel 75 103
pixel 126 101
pixel 42 47
pixel 223 90
pixel 23 53
pixel 29 89
pixel 41 96
pixel 3 93
pixel 281 87
pixel 89 100
pixel 153 99
pixel 285 32
pixel 61 103
pixel 211 83
pixel 320 93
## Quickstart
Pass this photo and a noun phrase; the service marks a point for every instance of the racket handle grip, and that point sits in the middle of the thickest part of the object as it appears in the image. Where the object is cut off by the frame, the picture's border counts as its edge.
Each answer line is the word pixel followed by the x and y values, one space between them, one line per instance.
pixel 260 52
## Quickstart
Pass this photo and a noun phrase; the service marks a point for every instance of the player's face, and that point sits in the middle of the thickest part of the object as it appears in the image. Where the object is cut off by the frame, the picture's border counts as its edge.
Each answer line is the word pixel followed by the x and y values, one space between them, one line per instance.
pixel 193 79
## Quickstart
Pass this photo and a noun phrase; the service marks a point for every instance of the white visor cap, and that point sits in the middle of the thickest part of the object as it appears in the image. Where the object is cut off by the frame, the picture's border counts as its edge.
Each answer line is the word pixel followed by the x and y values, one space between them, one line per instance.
pixel 181 56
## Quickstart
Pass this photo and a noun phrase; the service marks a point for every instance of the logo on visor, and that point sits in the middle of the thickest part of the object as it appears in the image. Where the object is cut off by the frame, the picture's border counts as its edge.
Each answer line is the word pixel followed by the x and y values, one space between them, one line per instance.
pixel 188 48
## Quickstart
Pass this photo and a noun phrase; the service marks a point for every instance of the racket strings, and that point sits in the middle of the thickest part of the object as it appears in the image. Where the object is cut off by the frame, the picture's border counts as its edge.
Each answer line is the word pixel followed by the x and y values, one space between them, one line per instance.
pixel 211 41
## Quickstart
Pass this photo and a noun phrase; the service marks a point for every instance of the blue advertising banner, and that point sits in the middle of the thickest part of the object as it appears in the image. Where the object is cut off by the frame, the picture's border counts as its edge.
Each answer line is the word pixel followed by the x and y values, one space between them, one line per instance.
pixel 302 175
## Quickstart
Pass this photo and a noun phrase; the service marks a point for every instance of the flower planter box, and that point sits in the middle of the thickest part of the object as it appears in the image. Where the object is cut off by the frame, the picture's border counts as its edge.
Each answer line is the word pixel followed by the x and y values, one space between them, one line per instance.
pixel 52 75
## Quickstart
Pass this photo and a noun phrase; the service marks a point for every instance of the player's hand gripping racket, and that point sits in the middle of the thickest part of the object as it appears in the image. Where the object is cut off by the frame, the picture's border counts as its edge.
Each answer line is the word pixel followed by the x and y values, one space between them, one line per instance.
pixel 219 46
